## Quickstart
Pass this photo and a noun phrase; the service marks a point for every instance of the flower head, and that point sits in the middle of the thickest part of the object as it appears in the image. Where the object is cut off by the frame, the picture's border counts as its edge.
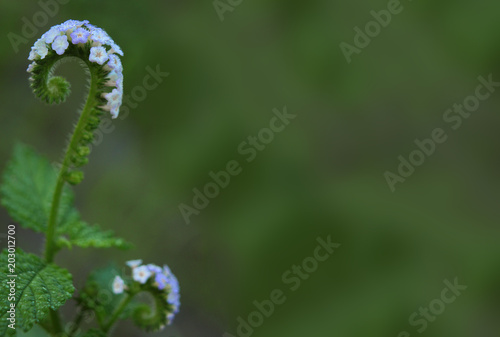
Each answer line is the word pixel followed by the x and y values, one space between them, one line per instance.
pixel 60 44
pixel 118 285
pixel 80 35
pixel 141 274
pixel 98 55
pixel 163 283
pixel 96 46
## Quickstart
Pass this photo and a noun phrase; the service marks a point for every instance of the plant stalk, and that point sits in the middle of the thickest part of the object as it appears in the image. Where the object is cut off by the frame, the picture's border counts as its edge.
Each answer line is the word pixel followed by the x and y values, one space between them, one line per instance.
pixel 116 314
pixel 50 244
pixel 50 247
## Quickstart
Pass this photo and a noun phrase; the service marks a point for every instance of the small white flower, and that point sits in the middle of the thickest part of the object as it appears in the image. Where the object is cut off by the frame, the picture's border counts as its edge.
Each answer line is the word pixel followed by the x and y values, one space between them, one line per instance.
pixel 154 268
pixel 167 271
pixel 134 263
pixel 114 97
pixel 90 26
pixel 116 49
pixel 33 54
pixel 60 44
pixel 70 25
pixel 141 274
pixel 41 48
pixel 170 318
pixel 115 110
pixel 115 63
pixel 79 35
pixel 100 36
pixel 118 285
pixel 119 83
pixel 51 35
pixel 98 55
pixel 113 78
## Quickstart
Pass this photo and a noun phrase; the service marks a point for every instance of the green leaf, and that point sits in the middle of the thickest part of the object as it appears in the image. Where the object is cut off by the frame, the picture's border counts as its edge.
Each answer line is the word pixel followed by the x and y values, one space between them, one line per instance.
pixel 39 287
pixel 83 235
pixel 27 189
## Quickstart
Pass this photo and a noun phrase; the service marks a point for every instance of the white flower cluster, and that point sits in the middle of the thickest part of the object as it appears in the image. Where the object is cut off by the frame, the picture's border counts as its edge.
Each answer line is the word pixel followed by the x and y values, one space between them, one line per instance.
pixel 163 279
pixel 103 51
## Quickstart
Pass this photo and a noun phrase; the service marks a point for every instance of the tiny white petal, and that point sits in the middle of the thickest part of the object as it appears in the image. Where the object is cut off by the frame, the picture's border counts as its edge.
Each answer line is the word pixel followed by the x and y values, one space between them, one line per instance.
pixel 134 263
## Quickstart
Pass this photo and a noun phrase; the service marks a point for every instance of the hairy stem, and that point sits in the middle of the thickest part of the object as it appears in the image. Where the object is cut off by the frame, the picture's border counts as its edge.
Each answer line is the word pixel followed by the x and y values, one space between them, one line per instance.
pixel 50 244
pixel 50 247
pixel 116 314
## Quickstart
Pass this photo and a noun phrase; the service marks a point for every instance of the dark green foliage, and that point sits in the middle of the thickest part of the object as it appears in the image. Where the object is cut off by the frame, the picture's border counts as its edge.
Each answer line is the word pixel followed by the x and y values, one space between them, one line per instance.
pixel 27 190
pixel 40 287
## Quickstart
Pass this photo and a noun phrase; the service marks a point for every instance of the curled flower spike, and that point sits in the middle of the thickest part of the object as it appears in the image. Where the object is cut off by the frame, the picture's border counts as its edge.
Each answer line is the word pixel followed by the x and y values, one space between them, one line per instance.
pixel 90 44
pixel 161 284
pixel 93 47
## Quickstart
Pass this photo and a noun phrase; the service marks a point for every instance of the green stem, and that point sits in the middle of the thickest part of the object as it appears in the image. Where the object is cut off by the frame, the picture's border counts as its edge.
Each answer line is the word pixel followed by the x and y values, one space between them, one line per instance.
pixel 50 247
pixel 50 244
pixel 56 323
pixel 116 314
pixel 77 323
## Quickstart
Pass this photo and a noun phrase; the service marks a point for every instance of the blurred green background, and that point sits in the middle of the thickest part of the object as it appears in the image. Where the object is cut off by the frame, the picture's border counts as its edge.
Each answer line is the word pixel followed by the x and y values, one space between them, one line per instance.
pixel 323 175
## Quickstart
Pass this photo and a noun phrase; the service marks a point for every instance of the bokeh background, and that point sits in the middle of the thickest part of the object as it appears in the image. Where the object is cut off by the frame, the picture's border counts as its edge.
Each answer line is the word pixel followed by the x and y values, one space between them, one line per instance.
pixel 322 176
